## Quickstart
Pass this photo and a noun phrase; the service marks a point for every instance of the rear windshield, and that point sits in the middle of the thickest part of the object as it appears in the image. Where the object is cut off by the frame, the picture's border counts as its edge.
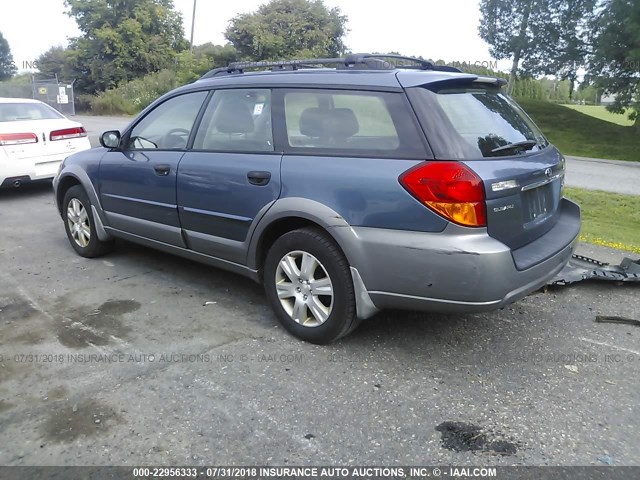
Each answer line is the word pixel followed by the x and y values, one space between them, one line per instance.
pixel 471 122
pixel 12 112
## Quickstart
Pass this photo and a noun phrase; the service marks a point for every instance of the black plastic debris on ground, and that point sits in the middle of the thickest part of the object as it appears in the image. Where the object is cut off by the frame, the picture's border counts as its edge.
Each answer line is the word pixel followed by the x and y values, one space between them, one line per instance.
pixel 582 268
pixel 466 437
pixel 617 319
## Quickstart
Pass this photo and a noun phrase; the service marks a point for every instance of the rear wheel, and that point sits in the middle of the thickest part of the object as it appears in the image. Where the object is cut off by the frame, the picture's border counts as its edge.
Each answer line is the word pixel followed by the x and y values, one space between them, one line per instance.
pixel 79 224
pixel 308 284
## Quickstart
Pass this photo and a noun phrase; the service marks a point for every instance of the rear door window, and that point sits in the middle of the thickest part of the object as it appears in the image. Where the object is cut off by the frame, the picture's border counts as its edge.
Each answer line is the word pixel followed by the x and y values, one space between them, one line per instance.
pixel 465 123
pixel 339 122
pixel 237 120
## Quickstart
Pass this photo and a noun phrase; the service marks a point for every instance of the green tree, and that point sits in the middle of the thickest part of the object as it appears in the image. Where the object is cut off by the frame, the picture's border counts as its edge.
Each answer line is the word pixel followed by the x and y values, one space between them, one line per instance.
pixel 56 63
pixel 616 56
pixel 287 29
pixel 504 26
pixel 562 41
pixel 193 64
pixel 122 40
pixel 7 67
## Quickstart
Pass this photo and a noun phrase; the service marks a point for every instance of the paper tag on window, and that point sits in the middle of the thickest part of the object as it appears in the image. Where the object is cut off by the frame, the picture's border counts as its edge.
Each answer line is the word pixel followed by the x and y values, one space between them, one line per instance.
pixel 257 110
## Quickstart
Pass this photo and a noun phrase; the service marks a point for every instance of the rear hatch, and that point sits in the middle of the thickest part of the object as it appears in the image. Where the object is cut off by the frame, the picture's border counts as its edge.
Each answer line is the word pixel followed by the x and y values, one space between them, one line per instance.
pixel 474 122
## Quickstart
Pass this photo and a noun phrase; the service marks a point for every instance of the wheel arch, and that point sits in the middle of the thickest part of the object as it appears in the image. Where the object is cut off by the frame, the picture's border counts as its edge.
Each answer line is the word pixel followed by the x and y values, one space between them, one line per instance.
pixel 71 177
pixel 291 214
pixel 64 184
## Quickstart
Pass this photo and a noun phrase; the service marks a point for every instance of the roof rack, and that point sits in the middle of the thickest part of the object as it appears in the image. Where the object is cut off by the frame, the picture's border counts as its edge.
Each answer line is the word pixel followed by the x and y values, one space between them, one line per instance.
pixel 365 61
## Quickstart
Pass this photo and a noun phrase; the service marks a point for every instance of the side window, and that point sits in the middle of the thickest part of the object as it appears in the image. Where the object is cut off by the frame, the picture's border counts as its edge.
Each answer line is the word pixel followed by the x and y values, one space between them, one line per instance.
pixel 237 120
pixel 344 122
pixel 168 126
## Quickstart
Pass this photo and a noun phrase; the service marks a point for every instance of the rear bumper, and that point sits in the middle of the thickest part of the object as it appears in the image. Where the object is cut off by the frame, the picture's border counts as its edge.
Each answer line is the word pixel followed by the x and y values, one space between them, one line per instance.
pixel 17 182
pixel 459 269
pixel 29 169
pixel 42 167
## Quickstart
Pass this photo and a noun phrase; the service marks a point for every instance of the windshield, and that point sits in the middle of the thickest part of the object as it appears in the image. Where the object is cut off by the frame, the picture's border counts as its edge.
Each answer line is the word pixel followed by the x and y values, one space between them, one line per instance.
pixel 12 112
pixel 472 122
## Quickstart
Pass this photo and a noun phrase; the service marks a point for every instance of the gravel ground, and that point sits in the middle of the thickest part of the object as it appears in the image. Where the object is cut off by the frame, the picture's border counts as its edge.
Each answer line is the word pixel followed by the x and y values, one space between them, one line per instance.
pixel 144 358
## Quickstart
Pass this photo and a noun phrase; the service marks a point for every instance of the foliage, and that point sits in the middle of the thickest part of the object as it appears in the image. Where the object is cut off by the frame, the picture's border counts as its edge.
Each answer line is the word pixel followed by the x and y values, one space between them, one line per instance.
pixel 616 56
pixel 18 86
pixel 192 65
pixel 511 28
pixel 56 63
pixel 525 87
pixel 7 67
pixel 131 97
pixel 608 219
pixel 561 41
pixel 287 29
pixel 122 40
pixel 577 134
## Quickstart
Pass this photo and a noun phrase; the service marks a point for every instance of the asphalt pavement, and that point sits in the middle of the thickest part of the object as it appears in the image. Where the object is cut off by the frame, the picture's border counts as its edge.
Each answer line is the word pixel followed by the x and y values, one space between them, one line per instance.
pixel 96 125
pixel 614 176
pixel 142 358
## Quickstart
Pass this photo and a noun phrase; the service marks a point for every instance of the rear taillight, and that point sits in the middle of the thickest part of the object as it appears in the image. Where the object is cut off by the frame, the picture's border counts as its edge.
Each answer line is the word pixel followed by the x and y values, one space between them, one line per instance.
pixel 7 139
pixel 451 189
pixel 67 133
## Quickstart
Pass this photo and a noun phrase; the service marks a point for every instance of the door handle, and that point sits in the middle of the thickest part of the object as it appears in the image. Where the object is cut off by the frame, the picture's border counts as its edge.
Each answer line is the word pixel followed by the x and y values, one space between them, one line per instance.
pixel 162 170
pixel 259 178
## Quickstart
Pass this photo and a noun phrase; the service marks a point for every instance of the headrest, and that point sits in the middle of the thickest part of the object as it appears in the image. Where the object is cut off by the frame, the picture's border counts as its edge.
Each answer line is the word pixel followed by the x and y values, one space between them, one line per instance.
pixel 324 123
pixel 233 116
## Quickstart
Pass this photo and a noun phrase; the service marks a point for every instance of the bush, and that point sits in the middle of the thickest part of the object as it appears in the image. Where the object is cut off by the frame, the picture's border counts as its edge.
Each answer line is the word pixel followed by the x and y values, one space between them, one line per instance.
pixel 131 97
pixel 83 103
pixel 17 87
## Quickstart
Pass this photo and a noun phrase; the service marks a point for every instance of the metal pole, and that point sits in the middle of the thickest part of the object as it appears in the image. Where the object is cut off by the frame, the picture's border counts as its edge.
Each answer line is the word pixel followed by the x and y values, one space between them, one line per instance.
pixel 193 25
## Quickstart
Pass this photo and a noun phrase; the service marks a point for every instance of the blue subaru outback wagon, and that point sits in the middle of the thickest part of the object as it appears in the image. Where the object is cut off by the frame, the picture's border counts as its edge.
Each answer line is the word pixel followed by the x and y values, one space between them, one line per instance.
pixel 344 185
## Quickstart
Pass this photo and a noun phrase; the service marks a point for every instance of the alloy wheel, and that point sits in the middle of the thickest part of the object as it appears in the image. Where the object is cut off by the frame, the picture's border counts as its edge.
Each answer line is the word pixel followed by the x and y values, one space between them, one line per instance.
pixel 78 222
pixel 304 288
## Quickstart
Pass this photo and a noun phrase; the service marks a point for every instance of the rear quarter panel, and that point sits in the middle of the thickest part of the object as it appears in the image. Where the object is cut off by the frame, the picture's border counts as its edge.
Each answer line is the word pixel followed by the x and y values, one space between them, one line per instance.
pixel 364 192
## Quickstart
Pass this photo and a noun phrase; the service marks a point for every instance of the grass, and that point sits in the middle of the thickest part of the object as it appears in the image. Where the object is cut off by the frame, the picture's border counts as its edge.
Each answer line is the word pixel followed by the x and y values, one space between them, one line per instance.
pixel 608 219
pixel 601 112
pixel 582 135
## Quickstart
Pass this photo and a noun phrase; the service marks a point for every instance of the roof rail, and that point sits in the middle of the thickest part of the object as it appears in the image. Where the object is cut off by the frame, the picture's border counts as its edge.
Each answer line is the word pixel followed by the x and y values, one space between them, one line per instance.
pixel 352 61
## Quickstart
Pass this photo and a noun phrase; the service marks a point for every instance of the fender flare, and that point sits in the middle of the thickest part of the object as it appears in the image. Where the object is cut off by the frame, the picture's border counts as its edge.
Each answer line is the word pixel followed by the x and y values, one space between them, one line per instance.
pixel 335 225
pixel 83 179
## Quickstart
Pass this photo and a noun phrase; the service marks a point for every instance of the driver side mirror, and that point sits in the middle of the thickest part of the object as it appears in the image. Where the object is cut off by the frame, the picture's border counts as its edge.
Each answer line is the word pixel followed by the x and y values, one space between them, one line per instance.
pixel 110 139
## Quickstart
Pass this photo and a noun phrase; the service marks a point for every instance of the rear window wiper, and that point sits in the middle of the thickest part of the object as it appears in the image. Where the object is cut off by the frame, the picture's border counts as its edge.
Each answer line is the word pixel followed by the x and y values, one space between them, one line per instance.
pixel 518 146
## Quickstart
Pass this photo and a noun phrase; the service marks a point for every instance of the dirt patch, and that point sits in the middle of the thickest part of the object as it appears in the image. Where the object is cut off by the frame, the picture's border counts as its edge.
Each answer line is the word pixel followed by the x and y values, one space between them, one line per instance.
pixel 81 327
pixel 88 418
pixel 466 437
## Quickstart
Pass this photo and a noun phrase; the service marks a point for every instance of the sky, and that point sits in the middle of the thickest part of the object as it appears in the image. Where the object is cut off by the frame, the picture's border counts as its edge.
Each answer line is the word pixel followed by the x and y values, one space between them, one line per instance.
pixel 434 29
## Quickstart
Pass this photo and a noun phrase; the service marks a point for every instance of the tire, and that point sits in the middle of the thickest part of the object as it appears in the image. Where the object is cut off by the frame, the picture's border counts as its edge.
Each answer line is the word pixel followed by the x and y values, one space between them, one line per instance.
pixel 298 262
pixel 79 224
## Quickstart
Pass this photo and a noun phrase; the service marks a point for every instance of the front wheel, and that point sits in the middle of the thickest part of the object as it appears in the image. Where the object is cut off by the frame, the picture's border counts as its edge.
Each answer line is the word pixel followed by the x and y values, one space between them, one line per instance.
pixel 308 284
pixel 79 224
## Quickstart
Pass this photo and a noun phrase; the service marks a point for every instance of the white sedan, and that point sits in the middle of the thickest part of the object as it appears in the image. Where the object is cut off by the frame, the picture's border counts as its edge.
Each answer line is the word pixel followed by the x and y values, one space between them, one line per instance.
pixel 34 139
